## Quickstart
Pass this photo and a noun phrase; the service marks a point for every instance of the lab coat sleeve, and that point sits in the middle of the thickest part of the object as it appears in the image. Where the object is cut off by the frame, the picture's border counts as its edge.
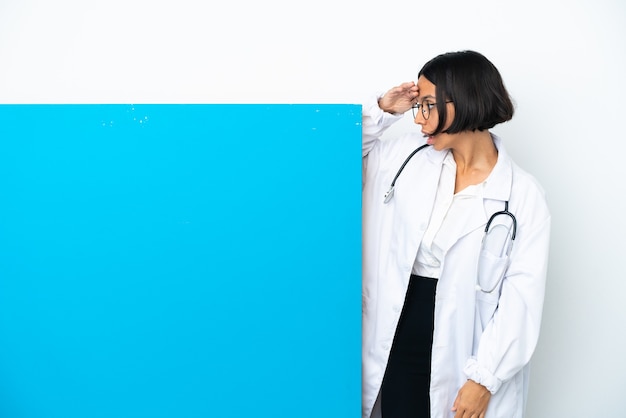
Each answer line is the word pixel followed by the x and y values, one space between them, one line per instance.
pixel 510 337
pixel 375 123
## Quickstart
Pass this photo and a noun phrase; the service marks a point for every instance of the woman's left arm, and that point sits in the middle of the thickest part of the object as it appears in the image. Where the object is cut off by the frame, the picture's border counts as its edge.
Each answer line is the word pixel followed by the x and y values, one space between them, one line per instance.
pixel 510 337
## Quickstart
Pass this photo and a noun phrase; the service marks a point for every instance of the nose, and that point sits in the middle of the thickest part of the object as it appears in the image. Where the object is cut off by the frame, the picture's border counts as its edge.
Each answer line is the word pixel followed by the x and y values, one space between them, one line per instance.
pixel 419 118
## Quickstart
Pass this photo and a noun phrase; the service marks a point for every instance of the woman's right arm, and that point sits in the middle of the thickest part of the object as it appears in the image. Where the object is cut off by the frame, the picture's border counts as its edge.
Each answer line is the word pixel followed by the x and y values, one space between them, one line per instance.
pixel 380 112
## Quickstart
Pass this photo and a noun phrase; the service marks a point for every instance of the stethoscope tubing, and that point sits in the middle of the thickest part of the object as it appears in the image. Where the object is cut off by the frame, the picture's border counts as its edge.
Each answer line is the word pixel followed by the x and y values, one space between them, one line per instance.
pixel 389 193
pixel 507 213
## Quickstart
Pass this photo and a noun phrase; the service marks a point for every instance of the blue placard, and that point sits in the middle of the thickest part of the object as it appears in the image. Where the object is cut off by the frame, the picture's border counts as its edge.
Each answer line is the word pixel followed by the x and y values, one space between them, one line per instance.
pixel 180 261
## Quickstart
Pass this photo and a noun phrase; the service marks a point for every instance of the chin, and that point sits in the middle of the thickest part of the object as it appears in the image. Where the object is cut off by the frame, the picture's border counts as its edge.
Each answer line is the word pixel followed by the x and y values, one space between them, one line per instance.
pixel 439 146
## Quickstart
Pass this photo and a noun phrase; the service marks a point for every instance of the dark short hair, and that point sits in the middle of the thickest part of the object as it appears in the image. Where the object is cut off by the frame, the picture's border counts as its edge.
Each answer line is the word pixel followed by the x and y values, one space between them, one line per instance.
pixel 475 86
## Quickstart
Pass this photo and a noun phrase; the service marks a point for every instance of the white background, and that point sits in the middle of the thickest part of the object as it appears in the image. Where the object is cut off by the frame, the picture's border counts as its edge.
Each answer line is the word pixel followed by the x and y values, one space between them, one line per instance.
pixel 564 63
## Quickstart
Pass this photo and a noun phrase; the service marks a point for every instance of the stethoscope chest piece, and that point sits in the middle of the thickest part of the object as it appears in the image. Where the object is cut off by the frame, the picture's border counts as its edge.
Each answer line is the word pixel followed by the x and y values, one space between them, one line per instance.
pixel 389 194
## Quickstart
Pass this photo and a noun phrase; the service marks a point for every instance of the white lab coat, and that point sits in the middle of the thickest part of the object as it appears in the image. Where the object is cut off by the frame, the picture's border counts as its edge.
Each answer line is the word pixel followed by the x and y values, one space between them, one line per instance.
pixel 489 338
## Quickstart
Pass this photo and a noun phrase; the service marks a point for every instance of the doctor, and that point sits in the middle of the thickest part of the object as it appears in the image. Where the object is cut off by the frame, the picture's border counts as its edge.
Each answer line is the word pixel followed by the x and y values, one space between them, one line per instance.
pixel 450 320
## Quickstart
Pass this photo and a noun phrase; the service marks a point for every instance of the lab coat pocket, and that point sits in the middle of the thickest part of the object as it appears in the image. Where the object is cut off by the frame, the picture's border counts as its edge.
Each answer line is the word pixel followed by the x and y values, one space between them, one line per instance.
pixel 491 269
pixel 486 306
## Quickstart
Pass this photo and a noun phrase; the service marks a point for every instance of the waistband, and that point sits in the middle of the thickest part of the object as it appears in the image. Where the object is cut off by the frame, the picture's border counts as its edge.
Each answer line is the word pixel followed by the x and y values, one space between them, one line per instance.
pixel 416 277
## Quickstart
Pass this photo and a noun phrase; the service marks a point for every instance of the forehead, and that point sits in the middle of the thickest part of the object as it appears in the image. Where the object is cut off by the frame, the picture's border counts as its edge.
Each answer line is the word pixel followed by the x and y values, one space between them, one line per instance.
pixel 426 88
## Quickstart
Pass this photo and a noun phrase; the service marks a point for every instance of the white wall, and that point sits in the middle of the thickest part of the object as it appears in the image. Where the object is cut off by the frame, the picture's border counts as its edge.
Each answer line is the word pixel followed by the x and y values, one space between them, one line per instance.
pixel 563 61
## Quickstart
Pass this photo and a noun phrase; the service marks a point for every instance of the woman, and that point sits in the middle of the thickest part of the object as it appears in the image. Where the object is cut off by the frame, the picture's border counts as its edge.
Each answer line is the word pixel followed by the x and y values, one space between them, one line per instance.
pixel 450 321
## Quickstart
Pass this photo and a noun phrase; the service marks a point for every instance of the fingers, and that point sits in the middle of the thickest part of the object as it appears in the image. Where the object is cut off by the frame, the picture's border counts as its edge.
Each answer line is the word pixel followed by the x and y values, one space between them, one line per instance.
pixel 400 98
pixel 407 84
pixel 471 401
pixel 455 404
pixel 403 87
pixel 410 91
pixel 408 87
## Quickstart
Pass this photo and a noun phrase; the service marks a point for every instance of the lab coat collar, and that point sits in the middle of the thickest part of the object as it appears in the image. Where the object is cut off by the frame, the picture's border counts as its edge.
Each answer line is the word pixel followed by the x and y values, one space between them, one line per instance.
pixel 498 185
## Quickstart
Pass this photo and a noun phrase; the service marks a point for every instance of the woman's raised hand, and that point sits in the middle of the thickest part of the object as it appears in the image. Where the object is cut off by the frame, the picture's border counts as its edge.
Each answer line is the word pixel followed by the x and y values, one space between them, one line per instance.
pixel 399 99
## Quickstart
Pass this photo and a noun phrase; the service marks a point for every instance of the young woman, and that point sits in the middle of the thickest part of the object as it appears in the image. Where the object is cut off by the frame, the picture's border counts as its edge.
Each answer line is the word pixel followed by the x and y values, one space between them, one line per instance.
pixel 452 301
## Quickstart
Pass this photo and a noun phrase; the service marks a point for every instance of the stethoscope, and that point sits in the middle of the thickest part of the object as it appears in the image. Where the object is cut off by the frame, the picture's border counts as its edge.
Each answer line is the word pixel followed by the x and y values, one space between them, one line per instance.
pixel 389 193
pixel 494 259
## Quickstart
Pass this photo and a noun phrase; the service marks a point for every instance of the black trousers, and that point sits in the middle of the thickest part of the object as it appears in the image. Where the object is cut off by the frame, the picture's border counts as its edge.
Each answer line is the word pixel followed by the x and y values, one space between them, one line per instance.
pixel 405 387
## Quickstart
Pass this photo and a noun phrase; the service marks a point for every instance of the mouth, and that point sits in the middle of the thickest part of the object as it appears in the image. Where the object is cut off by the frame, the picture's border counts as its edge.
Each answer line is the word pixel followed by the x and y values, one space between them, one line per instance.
pixel 429 138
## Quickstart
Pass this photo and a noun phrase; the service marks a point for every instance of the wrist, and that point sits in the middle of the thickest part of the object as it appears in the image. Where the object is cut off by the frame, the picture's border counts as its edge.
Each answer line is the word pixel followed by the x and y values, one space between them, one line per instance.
pixel 381 106
pixel 384 108
pixel 476 373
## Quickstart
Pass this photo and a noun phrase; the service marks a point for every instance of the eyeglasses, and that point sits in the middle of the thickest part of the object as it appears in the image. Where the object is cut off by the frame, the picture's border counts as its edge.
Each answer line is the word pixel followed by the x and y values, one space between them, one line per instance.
pixel 425 107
